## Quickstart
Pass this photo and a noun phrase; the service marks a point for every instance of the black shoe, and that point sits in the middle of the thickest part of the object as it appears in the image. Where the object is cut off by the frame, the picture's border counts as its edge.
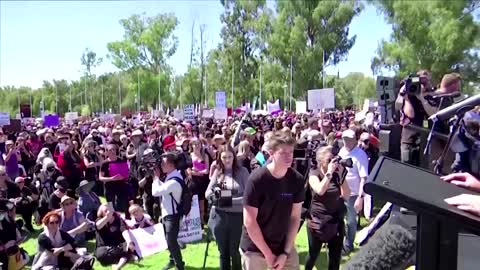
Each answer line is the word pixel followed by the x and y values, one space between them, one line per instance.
pixel 346 251
pixel 170 265
pixel 182 245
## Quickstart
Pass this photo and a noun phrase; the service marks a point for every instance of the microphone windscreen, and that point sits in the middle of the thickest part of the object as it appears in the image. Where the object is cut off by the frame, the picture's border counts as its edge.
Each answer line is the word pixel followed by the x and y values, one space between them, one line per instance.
pixel 390 248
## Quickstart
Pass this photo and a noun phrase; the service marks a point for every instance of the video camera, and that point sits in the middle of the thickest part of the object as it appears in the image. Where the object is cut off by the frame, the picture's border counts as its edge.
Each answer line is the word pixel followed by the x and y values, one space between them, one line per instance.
pixel 222 197
pixel 412 85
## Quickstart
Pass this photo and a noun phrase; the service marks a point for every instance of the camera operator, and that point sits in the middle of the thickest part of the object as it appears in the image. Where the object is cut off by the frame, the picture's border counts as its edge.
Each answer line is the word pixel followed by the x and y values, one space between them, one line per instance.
pixel 327 209
pixel 170 190
pixel 226 191
pixel 356 178
pixel 412 112
pixel 150 161
pixel 10 236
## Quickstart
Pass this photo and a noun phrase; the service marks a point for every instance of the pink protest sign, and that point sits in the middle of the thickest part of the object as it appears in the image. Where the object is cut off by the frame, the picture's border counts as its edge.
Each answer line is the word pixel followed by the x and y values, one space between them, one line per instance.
pixel 119 168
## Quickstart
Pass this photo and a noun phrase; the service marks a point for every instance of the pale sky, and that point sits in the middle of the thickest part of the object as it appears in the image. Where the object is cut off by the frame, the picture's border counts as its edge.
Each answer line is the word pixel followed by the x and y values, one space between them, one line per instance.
pixel 45 40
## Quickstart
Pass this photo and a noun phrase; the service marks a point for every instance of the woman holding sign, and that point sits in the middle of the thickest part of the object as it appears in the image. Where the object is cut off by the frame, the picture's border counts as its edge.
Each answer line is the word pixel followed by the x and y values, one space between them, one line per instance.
pixel 225 190
pixel 114 173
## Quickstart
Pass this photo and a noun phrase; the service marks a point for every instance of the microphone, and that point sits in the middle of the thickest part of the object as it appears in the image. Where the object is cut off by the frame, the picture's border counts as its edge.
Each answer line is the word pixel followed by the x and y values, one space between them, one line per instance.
pixel 437 96
pixel 392 247
pixel 460 108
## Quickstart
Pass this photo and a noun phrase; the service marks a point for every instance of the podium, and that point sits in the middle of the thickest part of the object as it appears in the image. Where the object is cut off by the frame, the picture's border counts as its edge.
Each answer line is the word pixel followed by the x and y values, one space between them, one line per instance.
pixel 438 224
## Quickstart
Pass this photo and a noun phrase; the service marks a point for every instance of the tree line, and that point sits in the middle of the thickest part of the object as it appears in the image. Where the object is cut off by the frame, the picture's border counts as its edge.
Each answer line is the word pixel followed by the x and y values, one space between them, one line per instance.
pixel 263 50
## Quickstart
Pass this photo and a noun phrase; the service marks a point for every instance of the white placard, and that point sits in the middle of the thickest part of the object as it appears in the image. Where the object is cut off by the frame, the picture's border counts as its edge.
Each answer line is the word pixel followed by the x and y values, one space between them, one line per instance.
pixel 178 114
pixel 208 113
pixel 300 107
pixel 189 112
pixel 191 225
pixel 319 99
pixel 148 241
pixel 221 113
pixel 4 118
pixel 220 99
pixel 273 107
pixel 71 116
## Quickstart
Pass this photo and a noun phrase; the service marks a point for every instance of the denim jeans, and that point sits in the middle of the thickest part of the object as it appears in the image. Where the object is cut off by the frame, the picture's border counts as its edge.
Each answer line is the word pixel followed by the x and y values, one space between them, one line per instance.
pixel 227 230
pixel 171 226
pixel 351 222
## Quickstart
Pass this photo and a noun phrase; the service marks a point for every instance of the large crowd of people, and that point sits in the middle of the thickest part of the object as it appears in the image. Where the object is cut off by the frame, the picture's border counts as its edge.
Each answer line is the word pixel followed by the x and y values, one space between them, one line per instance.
pixel 252 195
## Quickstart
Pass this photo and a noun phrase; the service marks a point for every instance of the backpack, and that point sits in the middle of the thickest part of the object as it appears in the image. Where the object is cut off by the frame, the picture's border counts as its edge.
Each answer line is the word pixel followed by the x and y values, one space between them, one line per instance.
pixel 185 204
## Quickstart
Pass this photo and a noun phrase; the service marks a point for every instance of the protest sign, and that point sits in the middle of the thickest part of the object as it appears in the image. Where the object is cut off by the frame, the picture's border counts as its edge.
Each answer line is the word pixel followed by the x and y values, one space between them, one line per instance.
pixel 208 113
pixel 148 241
pixel 178 114
pixel 191 226
pixel 221 113
pixel 319 99
pixel 14 126
pixel 300 107
pixel 25 110
pixel 51 120
pixel 189 112
pixel 273 107
pixel 220 99
pixel 70 117
pixel 4 118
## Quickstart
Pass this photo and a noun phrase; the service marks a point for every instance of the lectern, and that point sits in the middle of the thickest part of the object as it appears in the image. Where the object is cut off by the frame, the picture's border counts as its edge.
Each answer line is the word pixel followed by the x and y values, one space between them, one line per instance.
pixel 438 223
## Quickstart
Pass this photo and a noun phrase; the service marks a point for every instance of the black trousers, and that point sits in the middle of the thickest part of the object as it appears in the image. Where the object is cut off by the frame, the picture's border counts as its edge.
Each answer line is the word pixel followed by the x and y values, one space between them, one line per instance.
pixel 171 226
pixel 152 206
pixel 227 230
pixel 410 153
pixel 26 211
pixel 108 255
pixel 117 194
pixel 335 246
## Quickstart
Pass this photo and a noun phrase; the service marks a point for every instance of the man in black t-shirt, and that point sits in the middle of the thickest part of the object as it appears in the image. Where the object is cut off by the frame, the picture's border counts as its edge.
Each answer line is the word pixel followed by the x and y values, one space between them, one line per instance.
pixel 273 200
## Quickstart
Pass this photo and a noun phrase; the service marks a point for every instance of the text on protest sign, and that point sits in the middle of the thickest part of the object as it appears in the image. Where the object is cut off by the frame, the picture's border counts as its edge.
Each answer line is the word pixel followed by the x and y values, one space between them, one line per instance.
pixel 71 116
pixel 319 99
pixel 4 118
pixel 220 99
pixel 189 112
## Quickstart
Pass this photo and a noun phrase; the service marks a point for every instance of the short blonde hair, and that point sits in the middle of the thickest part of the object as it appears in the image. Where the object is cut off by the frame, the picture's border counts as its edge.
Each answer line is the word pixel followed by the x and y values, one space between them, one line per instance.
pixel 134 208
pixel 323 151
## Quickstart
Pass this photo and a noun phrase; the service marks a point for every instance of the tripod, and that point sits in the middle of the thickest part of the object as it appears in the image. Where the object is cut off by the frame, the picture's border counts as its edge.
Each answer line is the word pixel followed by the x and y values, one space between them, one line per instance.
pixel 209 237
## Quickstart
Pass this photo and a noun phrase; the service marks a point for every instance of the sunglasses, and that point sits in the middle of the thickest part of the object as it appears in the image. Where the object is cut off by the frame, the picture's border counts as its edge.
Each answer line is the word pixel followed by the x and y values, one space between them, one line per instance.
pixel 366 141
pixel 56 222
pixel 51 169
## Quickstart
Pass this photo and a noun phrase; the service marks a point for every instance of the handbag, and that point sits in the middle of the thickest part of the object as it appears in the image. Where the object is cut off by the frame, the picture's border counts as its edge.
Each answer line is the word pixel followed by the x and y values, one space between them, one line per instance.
pixel 324 229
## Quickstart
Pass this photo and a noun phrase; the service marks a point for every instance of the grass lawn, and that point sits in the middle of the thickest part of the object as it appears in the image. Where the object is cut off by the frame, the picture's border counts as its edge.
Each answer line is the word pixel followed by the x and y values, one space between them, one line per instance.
pixel 193 255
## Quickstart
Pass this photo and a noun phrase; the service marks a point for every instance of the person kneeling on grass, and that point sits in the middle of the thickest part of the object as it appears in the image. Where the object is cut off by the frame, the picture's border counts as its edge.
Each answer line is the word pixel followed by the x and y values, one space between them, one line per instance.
pixel 138 218
pixel 111 247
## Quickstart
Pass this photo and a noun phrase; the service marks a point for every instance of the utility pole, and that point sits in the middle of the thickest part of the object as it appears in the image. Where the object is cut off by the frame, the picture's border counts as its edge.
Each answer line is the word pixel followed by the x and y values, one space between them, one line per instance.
pixel 119 96
pixel 103 108
pixel 261 82
pixel 291 82
pixel 233 79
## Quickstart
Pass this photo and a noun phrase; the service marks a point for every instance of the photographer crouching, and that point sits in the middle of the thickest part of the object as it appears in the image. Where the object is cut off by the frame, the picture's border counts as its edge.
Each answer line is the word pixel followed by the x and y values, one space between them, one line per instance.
pixel 225 190
pixel 327 209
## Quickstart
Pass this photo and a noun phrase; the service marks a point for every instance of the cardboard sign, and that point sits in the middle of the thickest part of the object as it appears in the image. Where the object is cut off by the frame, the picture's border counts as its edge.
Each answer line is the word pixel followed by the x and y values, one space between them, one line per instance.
pixel 221 113
pixel 51 120
pixel 220 99
pixel 273 108
pixel 319 99
pixel 189 113
pixel 148 241
pixel 300 107
pixel 151 240
pixel 25 110
pixel 191 226
pixel 208 113
pixel 178 114
pixel 70 117
pixel 4 118
pixel 15 126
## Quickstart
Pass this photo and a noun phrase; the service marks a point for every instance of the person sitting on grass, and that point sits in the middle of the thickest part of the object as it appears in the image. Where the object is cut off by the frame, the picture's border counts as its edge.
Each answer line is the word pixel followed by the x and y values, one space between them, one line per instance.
pixel 111 247
pixel 72 221
pixel 138 218
pixel 56 247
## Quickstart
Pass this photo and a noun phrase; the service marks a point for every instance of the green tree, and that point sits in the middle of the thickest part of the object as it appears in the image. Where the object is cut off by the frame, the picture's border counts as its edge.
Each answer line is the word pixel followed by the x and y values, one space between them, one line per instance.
pixel 148 43
pixel 353 89
pixel 434 35
pixel 308 31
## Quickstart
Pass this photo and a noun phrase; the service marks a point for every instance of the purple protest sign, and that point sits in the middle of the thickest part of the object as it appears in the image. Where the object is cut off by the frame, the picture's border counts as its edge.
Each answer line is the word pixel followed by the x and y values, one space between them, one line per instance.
pixel 51 120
